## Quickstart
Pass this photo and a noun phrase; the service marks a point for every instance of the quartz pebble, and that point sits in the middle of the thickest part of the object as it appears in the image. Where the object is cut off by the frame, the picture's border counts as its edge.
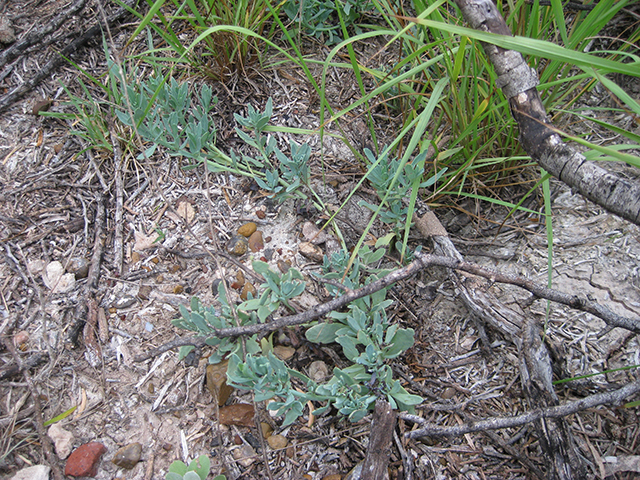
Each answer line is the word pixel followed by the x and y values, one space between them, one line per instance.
pixel 62 440
pixel 83 462
pixel 37 472
pixel 128 456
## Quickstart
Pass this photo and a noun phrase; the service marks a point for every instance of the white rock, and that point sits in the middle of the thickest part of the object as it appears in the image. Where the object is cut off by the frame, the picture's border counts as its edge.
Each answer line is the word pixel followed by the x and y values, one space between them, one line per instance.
pixel 62 439
pixel 56 280
pixel 318 371
pixel 37 472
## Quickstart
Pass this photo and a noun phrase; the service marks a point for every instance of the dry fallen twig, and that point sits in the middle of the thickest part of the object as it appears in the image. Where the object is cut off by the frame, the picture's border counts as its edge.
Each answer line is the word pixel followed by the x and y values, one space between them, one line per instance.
pixel 615 397
pixel 423 261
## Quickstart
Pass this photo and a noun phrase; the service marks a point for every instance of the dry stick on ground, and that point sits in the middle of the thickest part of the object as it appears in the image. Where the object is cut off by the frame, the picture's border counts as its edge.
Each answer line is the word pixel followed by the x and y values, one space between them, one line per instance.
pixel 18 92
pixel 82 309
pixel 535 370
pixel 36 36
pixel 615 397
pixel 47 446
pixel 518 82
pixel 504 320
pixel 118 223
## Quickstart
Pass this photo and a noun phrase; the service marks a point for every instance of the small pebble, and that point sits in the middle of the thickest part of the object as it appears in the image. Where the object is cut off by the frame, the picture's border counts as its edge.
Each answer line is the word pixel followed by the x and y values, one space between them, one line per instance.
pixel 240 414
pixel 237 245
pixel 283 353
pixel 247 229
pixel 256 243
pixel 267 430
pixel 216 376
pixel 79 267
pixel 83 462
pixel 318 371
pixel 277 442
pixel 62 440
pixel 20 340
pixel 128 456
pixel 41 106
pixel 244 455
pixel 260 214
pixel 37 472
pixel 125 302
pixel 247 289
pixel 311 251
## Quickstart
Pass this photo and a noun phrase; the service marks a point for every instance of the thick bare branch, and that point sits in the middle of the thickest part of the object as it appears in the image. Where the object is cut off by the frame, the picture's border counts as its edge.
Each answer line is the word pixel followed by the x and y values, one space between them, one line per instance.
pixel 615 397
pixel 518 82
pixel 422 261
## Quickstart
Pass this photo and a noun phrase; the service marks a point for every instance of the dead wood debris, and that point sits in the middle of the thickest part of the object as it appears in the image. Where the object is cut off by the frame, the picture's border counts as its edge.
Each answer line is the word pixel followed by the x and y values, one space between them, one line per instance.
pixel 538 137
pixel 60 58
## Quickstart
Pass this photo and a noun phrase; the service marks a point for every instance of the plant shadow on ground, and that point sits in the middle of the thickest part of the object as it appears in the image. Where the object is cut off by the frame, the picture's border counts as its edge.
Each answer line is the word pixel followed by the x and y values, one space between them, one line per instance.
pixel 47 205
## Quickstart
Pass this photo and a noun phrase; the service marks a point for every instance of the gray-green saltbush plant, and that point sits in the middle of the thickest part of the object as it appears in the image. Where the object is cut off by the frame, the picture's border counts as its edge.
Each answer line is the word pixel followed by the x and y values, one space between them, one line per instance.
pixel 326 19
pixel 198 469
pixel 367 338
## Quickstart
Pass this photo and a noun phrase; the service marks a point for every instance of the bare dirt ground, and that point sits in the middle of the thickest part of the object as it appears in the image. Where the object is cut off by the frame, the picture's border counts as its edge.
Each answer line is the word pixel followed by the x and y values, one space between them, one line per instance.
pixel 49 199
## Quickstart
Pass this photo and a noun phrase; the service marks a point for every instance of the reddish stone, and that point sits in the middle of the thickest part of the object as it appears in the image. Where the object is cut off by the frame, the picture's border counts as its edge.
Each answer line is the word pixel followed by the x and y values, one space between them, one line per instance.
pixel 237 414
pixel 83 462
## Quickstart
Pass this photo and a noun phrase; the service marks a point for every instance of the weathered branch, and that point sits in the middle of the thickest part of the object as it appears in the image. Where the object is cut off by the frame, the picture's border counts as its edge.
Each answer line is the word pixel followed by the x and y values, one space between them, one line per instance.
pixel 37 35
pixel 615 397
pixel 45 72
pixel 542 143
pixel 379 450
pixel 422 261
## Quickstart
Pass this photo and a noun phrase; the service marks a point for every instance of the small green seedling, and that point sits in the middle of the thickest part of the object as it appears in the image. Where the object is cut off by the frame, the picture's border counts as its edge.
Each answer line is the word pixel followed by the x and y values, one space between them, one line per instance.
pixel 198 469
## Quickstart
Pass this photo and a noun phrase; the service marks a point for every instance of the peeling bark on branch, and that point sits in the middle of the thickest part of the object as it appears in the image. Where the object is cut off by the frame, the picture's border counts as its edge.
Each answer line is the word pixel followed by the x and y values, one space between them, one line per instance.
pixel 538 138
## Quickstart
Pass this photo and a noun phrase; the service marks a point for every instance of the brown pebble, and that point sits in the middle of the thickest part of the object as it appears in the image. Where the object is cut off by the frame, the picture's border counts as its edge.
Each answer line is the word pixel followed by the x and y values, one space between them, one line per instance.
pixel 240 414
pixel 178 289
pixel 277 442
pixel 174 268
pixel 284 265
pixel 267 430
pixel 283 352
pixel 216 375
pixel 144 291
pixel 247 289
pixel 79 267
pixel 255 241
pixel 237 245
pixel 20 340
pixel 260 214
pixel 41 106
pixel 247 229
pixel 128 456
pixel 448 393
pixel 311 251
